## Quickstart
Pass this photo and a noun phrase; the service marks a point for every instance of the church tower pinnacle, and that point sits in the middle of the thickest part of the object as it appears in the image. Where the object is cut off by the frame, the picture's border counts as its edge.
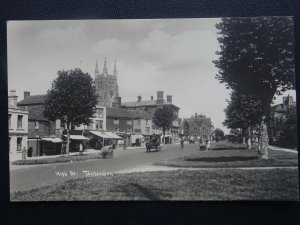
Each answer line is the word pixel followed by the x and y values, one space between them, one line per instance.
pixel 96 69
pixel 115 72
pixel 105 73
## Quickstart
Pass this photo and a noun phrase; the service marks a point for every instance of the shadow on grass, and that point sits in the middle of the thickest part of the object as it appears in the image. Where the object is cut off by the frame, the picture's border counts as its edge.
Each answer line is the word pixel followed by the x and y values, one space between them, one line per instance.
pixel 222 159
pixel 228 148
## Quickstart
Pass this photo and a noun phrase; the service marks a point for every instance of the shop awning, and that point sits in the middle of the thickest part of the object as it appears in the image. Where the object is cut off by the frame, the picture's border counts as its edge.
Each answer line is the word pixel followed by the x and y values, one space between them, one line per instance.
pixel 54 140
pixel 77 137
pixel 112 135
pixel 100 134
pixel 135 136
pixel 107 135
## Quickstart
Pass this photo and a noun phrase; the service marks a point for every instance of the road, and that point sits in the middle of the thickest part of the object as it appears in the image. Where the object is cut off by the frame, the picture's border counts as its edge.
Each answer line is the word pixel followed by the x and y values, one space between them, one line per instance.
pixel 37 176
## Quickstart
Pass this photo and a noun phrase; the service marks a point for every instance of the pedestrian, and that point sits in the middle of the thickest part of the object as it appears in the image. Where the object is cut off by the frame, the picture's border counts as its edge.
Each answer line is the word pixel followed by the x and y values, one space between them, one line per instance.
pixel 182 143
pixel 208 145
pixel 80 149
pixel 24 152
pixel 249 144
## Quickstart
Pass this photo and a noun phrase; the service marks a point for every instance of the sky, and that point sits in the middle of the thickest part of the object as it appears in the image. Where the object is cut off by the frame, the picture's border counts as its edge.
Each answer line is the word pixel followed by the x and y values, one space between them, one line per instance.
pixel 170 55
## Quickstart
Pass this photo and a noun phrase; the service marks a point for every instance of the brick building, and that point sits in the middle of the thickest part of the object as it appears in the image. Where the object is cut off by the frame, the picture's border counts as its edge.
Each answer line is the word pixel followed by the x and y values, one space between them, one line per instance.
pixel 150 107
pixel 278 115
pixel 197 127
pixel 44 136
pixel 17 127
pixel 133 125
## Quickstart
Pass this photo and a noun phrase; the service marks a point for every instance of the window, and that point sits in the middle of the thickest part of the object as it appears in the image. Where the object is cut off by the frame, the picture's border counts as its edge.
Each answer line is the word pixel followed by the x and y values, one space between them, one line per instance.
pixel 129 122
pixel 148 130
pixel 195 128
pixel 19 144
pixel 9 121
pixel 20 120
pixel 116 121
pixel 204 129
pixel 36 125
pixel 99 125
pixel 99 113
pixel 128 130
pixel 147 122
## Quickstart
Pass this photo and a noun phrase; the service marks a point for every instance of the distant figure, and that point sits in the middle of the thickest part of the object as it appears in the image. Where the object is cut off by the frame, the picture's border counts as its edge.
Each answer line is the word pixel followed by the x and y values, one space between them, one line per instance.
pixel 24 152
pixel 249 144
pixel 208 144
pixel 182 143
pixel 80 149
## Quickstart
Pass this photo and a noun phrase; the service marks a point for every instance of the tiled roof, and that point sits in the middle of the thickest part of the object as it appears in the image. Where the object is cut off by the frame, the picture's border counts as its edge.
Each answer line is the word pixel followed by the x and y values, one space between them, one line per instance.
pixel 146 103
pixel 196 122
pixel 123 113
pixel 36 117
pixel 32 100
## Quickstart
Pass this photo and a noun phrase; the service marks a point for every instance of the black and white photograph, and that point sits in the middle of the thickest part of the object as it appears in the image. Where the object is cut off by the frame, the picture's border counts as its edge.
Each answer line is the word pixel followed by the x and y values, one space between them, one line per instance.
pixel 193 109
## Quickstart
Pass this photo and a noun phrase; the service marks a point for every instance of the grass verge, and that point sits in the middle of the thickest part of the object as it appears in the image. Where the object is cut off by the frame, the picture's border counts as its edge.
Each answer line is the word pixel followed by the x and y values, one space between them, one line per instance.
pixel 277 184
pixel 59 159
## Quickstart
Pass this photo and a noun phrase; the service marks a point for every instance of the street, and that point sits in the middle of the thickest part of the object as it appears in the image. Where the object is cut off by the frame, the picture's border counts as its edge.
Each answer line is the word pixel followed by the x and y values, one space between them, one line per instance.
pixel 37 176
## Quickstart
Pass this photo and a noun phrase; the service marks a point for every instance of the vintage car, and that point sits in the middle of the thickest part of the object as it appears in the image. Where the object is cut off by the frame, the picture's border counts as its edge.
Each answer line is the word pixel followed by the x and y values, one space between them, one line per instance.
pixel 153 143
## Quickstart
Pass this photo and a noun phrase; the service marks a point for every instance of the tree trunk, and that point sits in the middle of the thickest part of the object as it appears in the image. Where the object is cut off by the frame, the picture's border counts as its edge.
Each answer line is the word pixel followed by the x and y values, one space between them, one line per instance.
pixel 68 138
pixel 164 131
pixel 264 137
pixel 263 140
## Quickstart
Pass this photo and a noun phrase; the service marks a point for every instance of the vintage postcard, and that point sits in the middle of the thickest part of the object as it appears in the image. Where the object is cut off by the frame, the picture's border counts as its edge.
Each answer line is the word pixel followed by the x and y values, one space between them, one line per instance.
pixel 152 109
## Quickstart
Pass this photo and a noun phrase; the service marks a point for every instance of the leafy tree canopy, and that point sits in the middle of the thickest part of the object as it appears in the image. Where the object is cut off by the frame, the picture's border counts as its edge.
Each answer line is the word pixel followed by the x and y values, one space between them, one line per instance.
pixel 219 132
pixel 242 111
pixel 256 56
pixel 164 117
pixel 72 98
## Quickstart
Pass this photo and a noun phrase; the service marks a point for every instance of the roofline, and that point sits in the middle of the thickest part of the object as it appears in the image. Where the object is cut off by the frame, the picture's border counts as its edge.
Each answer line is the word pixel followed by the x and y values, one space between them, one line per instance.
pixel 122 106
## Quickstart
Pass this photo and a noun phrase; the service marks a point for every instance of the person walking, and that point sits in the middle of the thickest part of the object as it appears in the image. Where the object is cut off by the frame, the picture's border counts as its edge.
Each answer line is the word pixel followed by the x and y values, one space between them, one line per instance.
pixel 249 144
pixel 208 144
pixel 80 149
pixel 182 143
pixel 24 152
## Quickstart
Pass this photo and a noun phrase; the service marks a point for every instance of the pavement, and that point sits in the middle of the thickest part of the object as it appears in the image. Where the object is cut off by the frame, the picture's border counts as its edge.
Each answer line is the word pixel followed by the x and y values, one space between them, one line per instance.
pixel 28 177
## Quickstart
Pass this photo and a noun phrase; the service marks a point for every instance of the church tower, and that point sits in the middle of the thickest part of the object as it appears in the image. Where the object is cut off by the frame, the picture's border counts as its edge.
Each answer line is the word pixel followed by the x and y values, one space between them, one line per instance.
pixel 106 85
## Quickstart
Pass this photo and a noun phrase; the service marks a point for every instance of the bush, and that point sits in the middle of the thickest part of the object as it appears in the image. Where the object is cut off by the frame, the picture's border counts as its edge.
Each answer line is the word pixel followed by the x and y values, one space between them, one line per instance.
pixel 59 159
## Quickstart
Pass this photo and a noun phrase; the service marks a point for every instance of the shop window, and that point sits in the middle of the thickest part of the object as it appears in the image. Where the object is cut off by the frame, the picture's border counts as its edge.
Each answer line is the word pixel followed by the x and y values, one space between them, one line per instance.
pixel 116 121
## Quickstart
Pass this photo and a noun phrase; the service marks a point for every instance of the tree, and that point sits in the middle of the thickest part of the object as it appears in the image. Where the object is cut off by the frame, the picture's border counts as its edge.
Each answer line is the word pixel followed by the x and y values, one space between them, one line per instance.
pixel 242 112
pixel 164 117
pixel 257 58
pixel 71 99
pixel 219 133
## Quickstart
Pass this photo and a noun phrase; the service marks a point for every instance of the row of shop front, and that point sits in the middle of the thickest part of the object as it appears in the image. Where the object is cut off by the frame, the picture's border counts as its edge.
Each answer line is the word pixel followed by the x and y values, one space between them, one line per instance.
pixel 88 139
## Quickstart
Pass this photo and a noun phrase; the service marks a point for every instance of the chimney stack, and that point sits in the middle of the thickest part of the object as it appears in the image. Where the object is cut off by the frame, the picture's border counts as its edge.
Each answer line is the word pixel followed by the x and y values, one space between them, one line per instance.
pixel 160 97
pixel 117 103
pixel 169 98
pixel 12 99
pixel 196 115
pixel 151 98
pixel 26 94
pixel 139 98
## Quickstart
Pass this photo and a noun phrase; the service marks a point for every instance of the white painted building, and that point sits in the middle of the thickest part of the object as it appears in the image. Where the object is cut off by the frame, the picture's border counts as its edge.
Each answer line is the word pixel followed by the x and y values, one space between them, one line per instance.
pixel 98 121
pixel 17 127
